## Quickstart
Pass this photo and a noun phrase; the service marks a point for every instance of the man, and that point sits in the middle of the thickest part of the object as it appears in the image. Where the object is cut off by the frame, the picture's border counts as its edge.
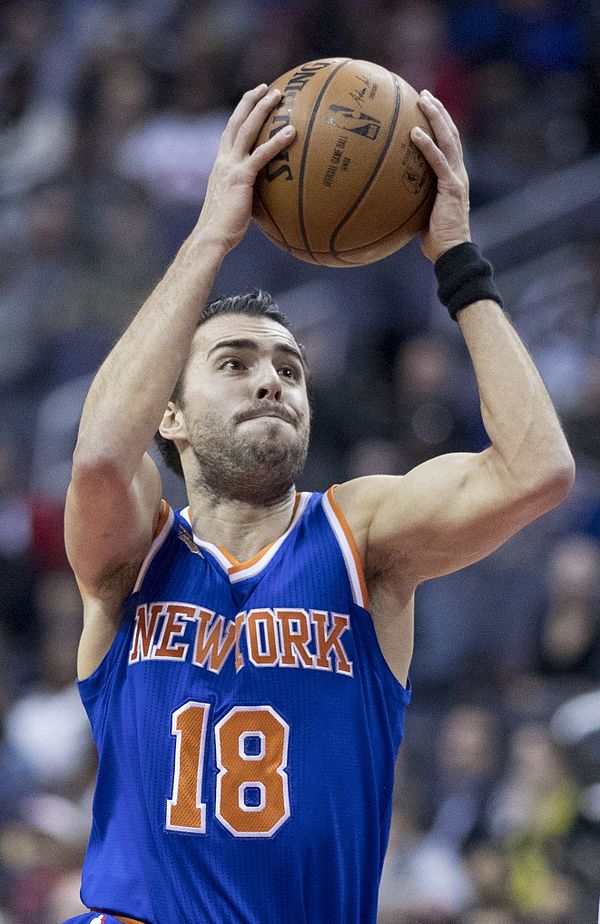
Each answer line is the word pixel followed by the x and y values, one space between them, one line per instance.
pixel 244 663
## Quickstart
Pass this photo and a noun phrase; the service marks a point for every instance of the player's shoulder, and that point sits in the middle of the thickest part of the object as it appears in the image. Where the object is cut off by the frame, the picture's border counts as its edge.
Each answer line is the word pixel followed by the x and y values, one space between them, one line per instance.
pixel 358 500
pixel 360 497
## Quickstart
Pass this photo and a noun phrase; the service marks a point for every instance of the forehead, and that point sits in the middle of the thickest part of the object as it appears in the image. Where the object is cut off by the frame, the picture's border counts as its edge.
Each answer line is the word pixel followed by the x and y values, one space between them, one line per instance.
pixel 267 333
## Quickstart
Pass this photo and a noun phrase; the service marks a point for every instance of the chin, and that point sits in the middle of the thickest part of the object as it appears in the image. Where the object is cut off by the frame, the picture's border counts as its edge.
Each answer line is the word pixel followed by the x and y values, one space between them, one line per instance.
pixel 270 448
pixel 276 447
pixel 271 428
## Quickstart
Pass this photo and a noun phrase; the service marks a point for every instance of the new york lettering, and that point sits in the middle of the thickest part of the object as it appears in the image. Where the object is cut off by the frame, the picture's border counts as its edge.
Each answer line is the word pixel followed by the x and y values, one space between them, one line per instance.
pixel 278 637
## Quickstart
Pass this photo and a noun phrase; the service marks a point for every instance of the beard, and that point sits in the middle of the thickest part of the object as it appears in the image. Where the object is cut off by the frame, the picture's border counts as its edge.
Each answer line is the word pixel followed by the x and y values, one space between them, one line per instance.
pixel 255 468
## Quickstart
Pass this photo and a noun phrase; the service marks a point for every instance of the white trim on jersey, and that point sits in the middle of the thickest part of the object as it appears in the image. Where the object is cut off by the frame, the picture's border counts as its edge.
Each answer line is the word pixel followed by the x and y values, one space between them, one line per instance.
pixel 214 550
pixel 158 541
pixel 346 550
pixel 257 566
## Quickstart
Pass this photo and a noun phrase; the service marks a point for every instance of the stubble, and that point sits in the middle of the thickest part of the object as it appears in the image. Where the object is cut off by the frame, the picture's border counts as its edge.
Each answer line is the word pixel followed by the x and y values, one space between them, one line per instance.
pixel 235 464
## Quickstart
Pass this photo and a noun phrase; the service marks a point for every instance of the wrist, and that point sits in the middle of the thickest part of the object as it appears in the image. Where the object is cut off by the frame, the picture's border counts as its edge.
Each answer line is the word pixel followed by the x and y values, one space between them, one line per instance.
pixel 464 276
pixel 205 244
pixel 450 245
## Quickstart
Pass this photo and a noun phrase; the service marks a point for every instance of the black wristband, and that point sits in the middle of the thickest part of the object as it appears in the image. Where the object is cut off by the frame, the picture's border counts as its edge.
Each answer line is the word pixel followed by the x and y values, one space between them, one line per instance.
pixel 464 277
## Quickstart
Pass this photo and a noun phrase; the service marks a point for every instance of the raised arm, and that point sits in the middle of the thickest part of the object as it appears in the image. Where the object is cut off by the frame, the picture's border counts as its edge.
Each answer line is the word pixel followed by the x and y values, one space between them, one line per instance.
pixel 113 500
pixel 455 509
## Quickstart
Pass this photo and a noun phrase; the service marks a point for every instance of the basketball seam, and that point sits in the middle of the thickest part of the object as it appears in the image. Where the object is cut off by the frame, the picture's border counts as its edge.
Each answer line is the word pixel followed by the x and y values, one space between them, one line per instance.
pixel 376 170
pixel 340 254
pixel 283 237
pixel 311 121
pixel 378 240
pixel 294 250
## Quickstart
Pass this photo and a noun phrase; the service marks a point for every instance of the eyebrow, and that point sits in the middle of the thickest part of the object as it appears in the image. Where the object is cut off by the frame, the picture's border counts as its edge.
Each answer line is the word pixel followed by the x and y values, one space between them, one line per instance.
pixel 244 343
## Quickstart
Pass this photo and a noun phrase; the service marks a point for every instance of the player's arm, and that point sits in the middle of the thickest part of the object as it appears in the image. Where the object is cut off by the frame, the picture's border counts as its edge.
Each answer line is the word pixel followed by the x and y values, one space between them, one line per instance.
pixel 453 510
pixel 113 500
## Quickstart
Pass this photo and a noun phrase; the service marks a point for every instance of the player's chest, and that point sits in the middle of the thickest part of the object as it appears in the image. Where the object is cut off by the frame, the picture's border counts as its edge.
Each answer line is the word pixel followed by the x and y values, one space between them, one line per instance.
pixel 267 635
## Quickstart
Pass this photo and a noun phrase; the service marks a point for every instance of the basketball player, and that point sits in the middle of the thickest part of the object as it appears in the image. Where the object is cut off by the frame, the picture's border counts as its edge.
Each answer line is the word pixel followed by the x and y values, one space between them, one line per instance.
pixel 244 662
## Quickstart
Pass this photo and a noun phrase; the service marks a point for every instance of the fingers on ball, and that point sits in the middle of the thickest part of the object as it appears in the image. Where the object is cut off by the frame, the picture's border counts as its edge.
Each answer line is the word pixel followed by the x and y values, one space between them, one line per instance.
pixel 249 129
pixel 276 143
pixel 438 115
pixel 243 110
pixel 434 109
pixel 435 157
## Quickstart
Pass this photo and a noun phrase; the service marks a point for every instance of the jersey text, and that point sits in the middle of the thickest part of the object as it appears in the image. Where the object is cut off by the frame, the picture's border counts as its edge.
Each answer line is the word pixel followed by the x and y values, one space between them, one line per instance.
pixel 271 637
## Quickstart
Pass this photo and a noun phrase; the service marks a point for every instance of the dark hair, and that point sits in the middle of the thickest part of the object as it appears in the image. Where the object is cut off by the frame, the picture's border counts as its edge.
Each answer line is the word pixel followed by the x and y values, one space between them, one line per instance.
pixel 257 304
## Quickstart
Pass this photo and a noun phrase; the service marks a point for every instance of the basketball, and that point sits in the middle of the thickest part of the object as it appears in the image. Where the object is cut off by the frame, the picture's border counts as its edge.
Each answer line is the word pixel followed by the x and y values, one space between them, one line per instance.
pixel 351 188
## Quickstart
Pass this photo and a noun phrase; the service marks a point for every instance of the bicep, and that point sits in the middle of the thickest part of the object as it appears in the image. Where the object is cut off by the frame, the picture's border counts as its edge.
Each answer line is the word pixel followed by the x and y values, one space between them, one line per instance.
pixel 445 514
pixel 109 523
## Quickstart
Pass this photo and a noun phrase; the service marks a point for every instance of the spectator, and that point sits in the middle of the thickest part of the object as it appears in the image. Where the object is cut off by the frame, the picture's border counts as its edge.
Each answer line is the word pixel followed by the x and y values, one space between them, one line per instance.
pixel 47 726
pixel 569 630
pixel 534 805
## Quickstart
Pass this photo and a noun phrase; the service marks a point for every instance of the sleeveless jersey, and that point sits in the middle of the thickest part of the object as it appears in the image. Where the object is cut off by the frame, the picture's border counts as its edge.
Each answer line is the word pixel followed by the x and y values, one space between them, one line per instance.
pixel 247 727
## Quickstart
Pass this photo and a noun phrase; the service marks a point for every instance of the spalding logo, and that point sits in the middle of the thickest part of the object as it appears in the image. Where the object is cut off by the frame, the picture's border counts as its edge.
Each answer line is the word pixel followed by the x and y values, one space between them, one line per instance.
pixel 279 166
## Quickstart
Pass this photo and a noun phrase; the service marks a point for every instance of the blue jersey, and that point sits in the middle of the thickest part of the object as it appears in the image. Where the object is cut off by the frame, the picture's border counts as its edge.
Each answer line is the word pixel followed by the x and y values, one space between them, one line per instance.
pixel 247 727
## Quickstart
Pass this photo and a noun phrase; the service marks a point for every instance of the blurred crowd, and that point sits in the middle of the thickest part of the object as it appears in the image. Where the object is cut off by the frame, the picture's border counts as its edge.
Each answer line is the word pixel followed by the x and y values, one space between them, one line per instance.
pixel 110 118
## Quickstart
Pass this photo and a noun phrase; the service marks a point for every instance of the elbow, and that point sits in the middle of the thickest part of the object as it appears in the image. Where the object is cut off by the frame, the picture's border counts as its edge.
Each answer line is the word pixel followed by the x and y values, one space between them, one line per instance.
pixel 95 469
pixel 557 482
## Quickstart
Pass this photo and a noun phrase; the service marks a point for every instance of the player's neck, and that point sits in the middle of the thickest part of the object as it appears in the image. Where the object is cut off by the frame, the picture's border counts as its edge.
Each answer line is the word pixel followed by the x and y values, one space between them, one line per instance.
pixel 241 527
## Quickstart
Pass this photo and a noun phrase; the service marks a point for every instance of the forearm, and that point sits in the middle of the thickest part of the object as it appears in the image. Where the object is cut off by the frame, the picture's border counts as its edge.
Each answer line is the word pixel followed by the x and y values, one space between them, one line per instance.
pixel 131 390
pixel 517 412
pixel 130 393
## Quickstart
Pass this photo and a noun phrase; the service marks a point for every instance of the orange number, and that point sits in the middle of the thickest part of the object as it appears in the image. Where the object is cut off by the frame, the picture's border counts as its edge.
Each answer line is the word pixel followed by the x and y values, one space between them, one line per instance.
pixel 185 811
pixel 252 797
pixel 263 772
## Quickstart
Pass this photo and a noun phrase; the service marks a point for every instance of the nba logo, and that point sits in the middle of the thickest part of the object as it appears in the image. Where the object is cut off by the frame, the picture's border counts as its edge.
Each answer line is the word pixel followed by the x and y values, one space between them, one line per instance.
pixel 99 919
pixel 355 121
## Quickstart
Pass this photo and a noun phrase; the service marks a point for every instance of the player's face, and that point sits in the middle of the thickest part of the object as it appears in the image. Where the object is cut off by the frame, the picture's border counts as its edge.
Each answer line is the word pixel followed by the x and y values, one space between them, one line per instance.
pixel 245 408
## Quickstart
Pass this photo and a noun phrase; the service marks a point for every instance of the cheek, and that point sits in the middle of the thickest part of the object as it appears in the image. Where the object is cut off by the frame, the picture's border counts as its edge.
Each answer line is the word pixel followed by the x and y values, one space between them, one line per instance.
pixel 305 416
pixel 208 397
pixel 306 409
pixel 300 398
pixel 204 416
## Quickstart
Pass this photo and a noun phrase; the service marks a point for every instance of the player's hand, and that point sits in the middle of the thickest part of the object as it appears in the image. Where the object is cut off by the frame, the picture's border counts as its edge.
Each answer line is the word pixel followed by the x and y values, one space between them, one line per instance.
pixel 227 208
pixel 449 221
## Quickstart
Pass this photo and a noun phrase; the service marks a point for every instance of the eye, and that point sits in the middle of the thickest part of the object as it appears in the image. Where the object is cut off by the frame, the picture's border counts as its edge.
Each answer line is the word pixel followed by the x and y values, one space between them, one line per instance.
pixel 232 364
pixel 288 372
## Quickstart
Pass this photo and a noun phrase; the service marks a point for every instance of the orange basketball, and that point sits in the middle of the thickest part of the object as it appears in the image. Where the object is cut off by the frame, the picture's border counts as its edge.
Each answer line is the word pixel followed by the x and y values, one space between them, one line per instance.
pixel 351 188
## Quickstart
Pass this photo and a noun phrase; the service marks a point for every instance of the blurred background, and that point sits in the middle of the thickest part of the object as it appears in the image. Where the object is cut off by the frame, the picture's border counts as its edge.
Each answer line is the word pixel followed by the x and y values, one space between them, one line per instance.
pixel 110 116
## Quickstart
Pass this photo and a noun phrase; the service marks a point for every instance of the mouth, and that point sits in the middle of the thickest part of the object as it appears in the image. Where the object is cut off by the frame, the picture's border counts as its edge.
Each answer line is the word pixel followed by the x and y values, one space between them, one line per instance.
pixel 270 414
pixel 267 417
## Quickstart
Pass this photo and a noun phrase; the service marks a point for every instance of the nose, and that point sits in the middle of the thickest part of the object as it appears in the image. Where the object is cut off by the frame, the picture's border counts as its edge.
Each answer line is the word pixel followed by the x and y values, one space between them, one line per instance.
pixel 269 384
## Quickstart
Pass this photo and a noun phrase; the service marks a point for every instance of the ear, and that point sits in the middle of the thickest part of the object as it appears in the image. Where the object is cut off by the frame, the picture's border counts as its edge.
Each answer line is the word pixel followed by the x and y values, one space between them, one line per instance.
pixel 172 425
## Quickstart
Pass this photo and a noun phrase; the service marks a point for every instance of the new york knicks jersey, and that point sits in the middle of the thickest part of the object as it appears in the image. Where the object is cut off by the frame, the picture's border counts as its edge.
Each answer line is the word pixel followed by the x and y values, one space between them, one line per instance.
pixel 247 726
